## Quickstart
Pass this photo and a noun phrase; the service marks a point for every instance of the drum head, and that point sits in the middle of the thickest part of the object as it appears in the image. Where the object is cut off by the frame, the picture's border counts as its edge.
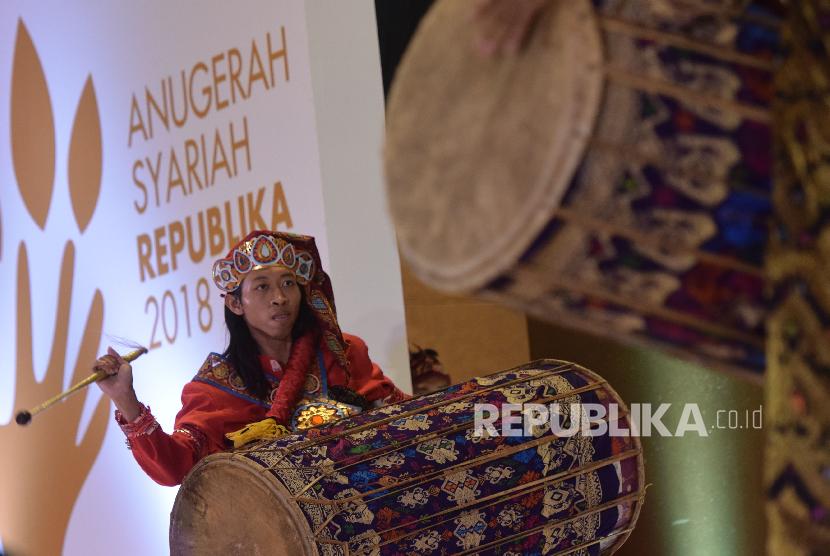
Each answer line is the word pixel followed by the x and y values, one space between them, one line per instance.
pixel 479 152
pixel 228 505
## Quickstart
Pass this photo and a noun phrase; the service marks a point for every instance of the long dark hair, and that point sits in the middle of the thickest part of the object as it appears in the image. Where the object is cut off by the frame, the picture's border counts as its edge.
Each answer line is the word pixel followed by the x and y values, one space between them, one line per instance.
pixel 243 352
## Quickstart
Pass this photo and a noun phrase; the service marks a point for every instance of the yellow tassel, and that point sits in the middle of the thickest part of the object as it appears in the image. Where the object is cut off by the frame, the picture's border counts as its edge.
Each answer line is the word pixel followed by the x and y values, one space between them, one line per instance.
pixel 267 429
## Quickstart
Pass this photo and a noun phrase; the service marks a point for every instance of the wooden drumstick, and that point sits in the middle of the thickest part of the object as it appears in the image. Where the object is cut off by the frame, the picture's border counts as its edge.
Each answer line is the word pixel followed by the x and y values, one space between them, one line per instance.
pixel 25 417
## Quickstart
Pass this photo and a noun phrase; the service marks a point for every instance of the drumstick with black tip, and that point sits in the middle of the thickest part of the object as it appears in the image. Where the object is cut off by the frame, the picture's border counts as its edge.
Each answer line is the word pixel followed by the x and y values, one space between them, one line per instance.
pixel 25 417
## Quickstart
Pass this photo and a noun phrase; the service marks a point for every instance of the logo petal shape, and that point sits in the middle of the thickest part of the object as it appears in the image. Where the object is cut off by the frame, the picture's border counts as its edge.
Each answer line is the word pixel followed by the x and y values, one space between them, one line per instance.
pixel 85 157
pixel 32 129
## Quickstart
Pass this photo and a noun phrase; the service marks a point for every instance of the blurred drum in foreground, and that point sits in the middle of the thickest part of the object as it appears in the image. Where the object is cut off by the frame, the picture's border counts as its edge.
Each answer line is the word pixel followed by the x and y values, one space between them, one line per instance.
pixel 614 176
pixel 418 478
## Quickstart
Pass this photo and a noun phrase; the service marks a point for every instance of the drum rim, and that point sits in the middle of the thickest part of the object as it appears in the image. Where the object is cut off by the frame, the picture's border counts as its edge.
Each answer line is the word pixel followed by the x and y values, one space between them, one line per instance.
pixel 551 185
pixel 641 461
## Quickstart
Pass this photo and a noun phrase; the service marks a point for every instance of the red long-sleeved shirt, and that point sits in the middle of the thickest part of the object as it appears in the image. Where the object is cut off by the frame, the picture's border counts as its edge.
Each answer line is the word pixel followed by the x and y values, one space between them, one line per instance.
pixel 215 403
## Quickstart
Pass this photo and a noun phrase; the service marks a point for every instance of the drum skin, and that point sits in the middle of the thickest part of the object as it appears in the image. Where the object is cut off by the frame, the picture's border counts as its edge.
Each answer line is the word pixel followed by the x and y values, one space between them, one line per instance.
pixel 415 478
pixel 614 177
pixel 224 492
pixel 470 137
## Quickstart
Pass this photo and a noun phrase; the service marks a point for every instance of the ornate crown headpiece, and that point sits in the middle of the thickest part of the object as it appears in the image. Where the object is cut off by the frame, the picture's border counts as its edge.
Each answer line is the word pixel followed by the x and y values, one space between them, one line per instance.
pixel 263 248
pixel 260 251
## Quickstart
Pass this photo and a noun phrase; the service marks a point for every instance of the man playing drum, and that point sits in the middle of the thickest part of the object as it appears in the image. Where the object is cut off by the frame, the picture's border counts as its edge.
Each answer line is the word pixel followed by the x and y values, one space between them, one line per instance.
pixel 287 365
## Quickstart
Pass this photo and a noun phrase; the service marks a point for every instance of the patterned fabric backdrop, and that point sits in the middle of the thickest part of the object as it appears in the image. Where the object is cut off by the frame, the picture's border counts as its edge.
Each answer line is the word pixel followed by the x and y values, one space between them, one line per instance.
pixel 797 471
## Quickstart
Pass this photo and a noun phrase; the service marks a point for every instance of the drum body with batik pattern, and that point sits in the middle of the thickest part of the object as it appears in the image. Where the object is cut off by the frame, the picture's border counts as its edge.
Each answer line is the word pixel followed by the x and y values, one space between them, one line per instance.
pixel 613 177
pixel 418 477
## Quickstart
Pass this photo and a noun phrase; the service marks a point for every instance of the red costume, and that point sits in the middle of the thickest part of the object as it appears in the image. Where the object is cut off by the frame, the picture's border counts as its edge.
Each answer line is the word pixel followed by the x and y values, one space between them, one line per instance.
pixel 217 402
pixel 213 404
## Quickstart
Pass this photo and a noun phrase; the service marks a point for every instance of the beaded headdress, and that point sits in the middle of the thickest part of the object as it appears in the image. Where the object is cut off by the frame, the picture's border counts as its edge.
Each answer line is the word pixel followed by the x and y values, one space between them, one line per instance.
pixel 261 249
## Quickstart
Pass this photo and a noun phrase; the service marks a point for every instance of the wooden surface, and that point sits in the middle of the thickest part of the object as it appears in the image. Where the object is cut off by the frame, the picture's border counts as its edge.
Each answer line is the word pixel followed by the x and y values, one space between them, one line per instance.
pixel 473 337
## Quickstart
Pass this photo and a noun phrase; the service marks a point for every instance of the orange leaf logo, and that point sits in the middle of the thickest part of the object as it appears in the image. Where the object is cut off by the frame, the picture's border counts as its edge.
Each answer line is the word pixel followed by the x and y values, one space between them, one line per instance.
pixel 85 157
pixel 44 470
pixel 32 129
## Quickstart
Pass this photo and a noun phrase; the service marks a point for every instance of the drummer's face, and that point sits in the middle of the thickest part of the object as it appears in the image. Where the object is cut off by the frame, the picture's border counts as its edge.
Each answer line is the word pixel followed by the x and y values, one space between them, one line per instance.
pixel 269 303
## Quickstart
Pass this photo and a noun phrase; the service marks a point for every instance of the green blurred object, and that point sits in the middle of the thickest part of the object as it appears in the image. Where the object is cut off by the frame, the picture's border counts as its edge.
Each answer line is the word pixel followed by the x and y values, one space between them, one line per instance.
pixel 706 495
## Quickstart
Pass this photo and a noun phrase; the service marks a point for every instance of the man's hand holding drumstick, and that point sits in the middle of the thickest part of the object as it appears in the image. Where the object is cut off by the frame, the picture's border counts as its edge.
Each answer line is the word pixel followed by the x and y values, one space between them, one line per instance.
pixel 119 385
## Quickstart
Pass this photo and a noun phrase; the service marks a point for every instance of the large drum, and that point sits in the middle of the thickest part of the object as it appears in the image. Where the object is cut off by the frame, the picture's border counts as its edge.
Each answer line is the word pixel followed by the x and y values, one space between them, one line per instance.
pixel 615 176
pixel 417 478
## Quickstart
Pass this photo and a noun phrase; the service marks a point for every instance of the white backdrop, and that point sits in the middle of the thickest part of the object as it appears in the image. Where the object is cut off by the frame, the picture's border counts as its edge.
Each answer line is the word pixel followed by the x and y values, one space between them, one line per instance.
pixel 307 125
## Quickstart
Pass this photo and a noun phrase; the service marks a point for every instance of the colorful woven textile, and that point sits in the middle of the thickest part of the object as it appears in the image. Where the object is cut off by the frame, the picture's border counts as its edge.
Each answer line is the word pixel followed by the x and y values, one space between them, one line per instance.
pixel 660 237
pixel 797 466
pixel 414 478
